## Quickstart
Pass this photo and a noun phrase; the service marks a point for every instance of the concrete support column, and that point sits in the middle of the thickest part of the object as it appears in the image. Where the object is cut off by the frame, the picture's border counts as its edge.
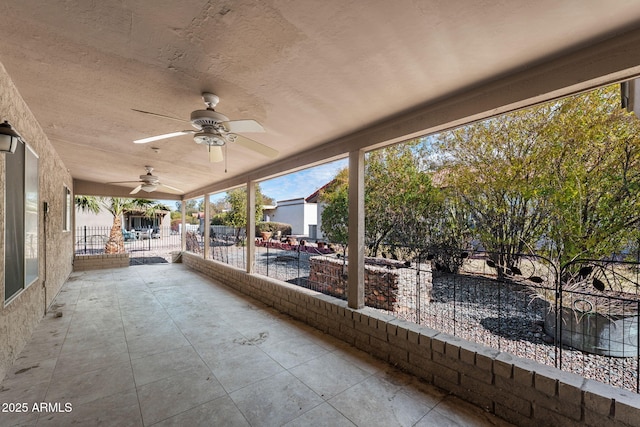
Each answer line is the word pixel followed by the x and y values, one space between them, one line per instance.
pixel 183 229
pixel 251 225
pixel 355 282
pixel 207 228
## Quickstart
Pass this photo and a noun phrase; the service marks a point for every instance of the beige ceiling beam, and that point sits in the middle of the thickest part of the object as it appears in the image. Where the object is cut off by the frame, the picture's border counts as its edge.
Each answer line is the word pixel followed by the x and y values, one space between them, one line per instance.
pixel 89 188
pixel 612 60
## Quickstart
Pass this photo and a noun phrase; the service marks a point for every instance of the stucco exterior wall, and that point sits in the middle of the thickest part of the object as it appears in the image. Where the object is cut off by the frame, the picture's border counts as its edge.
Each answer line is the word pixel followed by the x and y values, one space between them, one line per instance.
pixel 19 317
pixel 89 219
pixel 298 213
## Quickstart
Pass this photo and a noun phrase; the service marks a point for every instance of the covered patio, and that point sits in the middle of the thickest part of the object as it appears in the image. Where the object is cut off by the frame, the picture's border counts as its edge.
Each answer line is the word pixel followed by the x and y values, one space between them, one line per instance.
pixel 308 82
pixel 163 345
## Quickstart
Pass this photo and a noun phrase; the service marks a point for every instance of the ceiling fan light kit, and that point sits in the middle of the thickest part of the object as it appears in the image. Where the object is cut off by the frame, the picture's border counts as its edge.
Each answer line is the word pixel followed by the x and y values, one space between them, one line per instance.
pixel 207 138
pixel 215 130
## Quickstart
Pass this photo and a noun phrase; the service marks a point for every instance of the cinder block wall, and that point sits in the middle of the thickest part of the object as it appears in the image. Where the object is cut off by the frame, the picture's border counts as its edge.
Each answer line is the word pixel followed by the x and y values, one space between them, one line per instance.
pixel 518 390
pixel 98 262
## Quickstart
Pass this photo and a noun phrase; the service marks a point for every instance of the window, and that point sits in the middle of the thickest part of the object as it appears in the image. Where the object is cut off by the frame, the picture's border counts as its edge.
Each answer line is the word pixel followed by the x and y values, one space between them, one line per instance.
pixel 66 219
pixel 21 228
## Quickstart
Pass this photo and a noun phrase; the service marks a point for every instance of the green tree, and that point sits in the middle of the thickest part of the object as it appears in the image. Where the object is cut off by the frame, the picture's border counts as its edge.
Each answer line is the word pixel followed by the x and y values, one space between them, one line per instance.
pixel 192 206
pixel 594 175
pixel 88 204
pixel 565 172
pixel 400 200
pixel 237 215
pixel 335 215
pixel 495 169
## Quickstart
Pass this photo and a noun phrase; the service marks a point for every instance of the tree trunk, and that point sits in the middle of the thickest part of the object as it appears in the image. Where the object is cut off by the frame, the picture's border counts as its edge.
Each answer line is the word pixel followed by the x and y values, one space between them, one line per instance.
pixel 115 244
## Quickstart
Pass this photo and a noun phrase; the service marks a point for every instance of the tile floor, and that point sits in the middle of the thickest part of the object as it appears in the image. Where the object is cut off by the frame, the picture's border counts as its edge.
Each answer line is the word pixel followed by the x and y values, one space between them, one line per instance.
pixel 161 345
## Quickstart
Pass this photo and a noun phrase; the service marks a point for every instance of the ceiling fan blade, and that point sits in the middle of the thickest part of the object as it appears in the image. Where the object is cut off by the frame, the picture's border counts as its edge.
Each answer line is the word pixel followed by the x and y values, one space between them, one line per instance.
pixel 170 189
pixel 160 115
pixel 255 146
pixel 165 136
pixel 123 182
pixel 239 126
pixel 135 190
pixel 215 154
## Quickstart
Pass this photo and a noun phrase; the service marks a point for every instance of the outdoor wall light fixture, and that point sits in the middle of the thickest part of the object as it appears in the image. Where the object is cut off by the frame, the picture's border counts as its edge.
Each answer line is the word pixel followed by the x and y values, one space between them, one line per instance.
pixel 8 138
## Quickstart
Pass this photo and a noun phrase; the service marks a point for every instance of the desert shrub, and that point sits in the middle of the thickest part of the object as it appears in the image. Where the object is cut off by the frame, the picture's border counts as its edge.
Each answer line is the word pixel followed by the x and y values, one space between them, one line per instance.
pixel 273 227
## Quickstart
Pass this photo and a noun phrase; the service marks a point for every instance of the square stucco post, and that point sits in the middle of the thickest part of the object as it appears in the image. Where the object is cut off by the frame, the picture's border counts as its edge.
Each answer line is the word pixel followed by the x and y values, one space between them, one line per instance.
pixel 251 225
pixel 207 221
pixel 183 229
pixel 355 281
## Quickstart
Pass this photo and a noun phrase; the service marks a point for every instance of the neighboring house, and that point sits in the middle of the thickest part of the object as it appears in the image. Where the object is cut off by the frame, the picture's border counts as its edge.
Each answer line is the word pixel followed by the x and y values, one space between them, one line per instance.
pixel 268 211
pixel 301 215
pixel 315 199
pixel 131 220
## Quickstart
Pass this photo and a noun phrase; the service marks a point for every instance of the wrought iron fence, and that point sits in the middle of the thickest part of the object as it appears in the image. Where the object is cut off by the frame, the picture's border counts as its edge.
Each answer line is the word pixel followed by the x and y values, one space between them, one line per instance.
pixel 581 317
pixel 291 262
pixel 228 245
pixel 144 245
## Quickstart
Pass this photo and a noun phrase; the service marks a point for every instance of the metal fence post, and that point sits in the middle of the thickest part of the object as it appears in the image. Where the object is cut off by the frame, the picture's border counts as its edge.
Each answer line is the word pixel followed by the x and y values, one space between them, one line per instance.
pixel 418 290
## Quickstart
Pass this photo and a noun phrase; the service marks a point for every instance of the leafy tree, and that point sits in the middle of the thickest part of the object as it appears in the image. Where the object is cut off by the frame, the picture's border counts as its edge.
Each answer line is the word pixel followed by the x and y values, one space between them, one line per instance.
pixel 335 216
pixel 268 201
pixel 562 177
pixel 237 214
pixel 448 231
pixel 218 207
pixel 566 172
pixel 594 175
pixel 494 170
pixel 88 204
pixel 193 206
pixel 400 200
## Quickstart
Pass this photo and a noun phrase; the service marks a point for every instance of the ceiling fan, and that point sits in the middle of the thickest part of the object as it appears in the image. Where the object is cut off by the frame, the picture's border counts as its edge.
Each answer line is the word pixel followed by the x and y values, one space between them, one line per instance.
pixel 215 130
pixel 150 183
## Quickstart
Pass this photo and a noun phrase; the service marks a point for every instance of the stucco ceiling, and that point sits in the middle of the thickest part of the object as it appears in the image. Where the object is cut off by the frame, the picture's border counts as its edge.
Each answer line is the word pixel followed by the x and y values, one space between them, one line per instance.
pixel 309 71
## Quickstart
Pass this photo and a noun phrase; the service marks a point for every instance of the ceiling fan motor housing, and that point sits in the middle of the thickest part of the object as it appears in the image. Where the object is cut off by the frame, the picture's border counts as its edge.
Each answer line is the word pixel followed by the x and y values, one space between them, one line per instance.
pixel 148 178
pixel 208 117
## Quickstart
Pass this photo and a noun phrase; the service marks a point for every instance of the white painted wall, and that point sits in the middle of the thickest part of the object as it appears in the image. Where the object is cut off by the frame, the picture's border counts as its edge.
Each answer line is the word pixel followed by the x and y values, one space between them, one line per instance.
pixel 298 213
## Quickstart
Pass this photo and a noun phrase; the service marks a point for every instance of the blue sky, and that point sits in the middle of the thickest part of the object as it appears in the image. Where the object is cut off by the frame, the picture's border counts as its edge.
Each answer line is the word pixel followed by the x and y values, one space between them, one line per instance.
pixel 302 183
pixel 292 186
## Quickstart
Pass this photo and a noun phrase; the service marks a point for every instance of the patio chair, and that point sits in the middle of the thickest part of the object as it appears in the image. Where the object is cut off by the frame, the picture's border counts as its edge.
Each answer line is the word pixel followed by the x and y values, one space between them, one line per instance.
pixel 128 235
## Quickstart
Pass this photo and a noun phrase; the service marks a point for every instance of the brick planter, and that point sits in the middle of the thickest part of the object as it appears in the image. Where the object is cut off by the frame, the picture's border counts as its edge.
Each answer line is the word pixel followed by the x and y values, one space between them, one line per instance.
pixel 386 282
